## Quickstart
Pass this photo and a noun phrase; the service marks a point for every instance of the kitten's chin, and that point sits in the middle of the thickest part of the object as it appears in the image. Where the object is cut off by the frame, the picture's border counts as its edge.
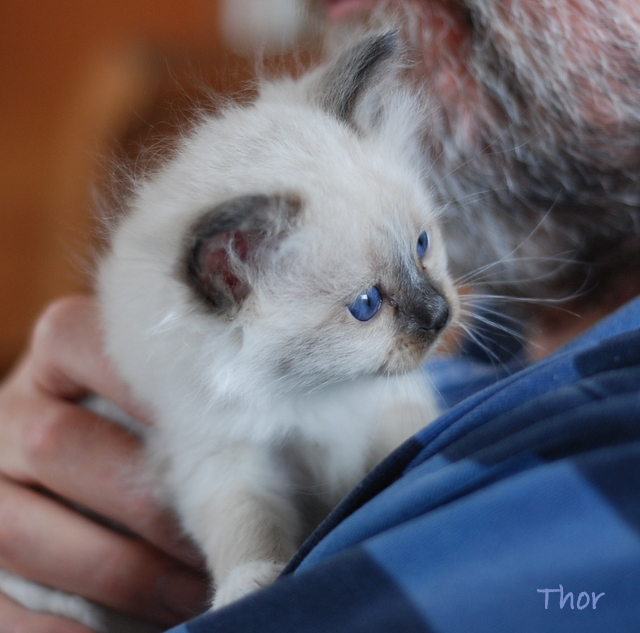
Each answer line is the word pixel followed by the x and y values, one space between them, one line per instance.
pixel 407 356
pixel 397 368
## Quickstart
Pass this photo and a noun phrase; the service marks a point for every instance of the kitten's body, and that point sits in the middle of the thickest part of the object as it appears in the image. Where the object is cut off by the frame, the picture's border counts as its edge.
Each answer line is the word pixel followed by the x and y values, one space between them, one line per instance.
pixel 226 301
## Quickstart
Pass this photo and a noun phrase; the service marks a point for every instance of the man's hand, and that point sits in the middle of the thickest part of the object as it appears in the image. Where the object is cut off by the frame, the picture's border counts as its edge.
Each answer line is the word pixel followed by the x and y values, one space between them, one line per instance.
pixel 53 451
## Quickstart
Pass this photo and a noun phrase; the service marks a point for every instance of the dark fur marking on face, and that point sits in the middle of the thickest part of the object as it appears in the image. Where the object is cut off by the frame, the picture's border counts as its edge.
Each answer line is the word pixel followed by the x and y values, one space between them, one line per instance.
pixel 226 240
pixel 422 310
pixel 428 307
pixel 421 313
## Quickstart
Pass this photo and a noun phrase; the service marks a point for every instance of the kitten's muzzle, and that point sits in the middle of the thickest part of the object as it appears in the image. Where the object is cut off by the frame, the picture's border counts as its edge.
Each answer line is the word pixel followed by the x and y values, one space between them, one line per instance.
pixel 426 313
pixel 439 315
pixel 421 317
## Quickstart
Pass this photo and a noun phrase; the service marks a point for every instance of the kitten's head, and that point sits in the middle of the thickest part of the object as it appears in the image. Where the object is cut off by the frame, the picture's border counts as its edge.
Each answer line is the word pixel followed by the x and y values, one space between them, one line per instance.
pixel 289 244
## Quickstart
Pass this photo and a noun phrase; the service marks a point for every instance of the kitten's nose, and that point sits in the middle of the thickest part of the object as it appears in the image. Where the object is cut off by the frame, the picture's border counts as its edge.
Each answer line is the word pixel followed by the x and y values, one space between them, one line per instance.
pixel 427 312
pixel 439 314
pixel 433 314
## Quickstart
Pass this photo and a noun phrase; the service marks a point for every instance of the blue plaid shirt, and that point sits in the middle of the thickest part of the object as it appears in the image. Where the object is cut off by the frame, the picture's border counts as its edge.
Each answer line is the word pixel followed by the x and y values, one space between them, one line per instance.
pixel 518 511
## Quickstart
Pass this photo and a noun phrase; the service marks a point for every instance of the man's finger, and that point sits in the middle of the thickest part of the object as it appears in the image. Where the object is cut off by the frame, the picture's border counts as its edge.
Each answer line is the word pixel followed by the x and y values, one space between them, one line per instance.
pixel 14 618
pixel 81 457
pixel 67 356
pixel 87 559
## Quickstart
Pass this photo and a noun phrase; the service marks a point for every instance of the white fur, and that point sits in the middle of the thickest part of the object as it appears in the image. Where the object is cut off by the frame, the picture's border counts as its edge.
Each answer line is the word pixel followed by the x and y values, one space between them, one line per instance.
pixel 291 401
pixel 98 618
pixel 211 382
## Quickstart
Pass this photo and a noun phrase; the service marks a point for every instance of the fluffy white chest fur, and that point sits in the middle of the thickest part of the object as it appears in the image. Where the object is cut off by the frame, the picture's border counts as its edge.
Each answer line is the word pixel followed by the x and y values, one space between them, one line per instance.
pixel 269 295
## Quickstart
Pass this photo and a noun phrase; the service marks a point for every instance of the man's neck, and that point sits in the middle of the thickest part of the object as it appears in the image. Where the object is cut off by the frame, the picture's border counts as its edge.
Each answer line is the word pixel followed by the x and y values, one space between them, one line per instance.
pixel 553 326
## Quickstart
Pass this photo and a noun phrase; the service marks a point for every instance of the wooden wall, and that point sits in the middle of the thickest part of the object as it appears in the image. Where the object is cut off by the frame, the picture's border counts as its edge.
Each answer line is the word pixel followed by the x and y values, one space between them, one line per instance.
pixel 76 77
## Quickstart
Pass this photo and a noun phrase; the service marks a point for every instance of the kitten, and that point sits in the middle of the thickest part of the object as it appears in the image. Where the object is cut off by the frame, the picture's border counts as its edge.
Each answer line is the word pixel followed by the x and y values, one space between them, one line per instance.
pixel 269 295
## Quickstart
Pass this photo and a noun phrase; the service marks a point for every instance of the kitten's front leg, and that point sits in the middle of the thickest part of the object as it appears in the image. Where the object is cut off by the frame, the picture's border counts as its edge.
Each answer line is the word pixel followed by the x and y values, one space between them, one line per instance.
pixel 246 579
pixel 243 517
pixel 256 536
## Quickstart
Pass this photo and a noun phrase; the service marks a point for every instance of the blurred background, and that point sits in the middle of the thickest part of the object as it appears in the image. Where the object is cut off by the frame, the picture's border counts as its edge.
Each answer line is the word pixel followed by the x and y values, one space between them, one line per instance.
pixel 78 79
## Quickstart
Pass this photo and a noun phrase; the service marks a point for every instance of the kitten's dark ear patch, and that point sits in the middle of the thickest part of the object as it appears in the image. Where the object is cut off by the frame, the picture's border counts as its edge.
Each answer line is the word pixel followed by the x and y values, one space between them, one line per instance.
pixel 355 72
pixel 228 239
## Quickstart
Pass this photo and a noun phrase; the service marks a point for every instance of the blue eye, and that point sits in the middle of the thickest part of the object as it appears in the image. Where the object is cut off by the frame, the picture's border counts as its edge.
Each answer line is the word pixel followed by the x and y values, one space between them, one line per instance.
pixel 423 244
pixel 366 305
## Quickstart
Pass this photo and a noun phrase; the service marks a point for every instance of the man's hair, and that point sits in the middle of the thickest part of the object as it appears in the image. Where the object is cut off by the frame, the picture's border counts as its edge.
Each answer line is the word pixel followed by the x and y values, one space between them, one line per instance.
pixel 534 138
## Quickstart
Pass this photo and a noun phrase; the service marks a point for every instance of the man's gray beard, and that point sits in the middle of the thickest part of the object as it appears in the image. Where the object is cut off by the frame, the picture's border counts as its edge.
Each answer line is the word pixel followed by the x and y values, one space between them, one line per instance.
pixel 538 163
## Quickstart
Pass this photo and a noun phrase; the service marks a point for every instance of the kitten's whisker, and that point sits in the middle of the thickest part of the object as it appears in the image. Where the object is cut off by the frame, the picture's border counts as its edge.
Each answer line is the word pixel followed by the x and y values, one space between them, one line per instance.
pixel 480 323
pixel 488 310
pixel 432 384
pixel 480 299
pixel 474 337
pixel 491 280
pixel 484 316
pixel 531 233
pixel 479 273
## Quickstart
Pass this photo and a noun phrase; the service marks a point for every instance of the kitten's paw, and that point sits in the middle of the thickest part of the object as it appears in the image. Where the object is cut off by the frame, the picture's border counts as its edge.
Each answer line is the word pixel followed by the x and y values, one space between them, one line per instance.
pixel 244 580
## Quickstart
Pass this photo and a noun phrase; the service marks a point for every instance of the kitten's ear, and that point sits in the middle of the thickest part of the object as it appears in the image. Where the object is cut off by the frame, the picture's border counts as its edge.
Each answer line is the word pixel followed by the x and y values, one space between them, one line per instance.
pixel 355 73
pixel 230 239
